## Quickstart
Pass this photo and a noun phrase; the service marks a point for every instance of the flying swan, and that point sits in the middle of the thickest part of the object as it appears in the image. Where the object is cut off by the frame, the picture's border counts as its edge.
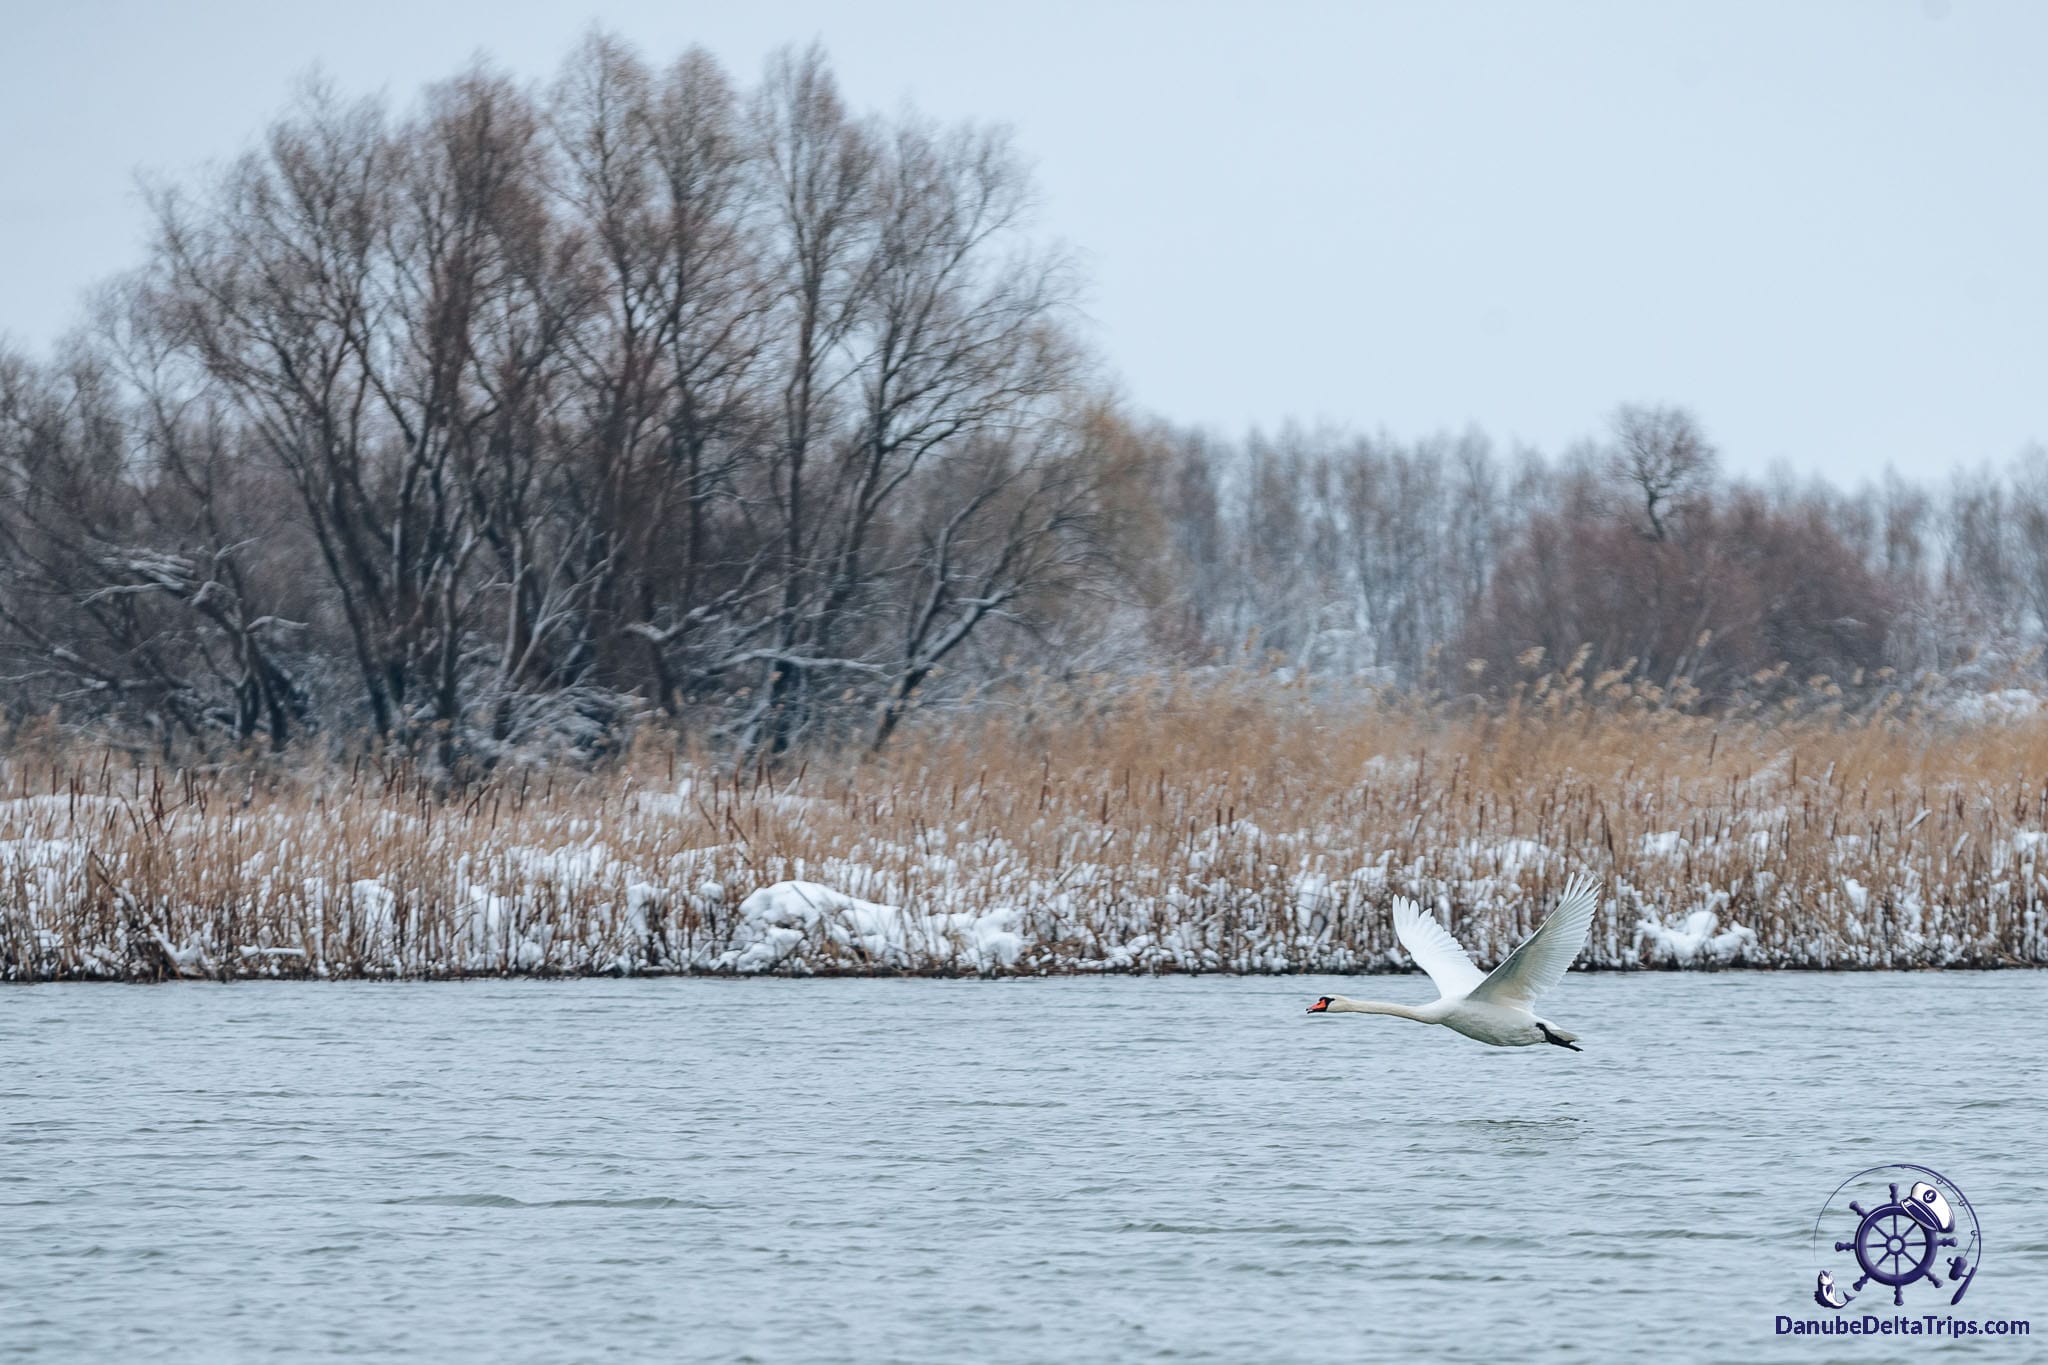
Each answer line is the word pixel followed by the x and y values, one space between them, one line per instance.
pixel 1493 1008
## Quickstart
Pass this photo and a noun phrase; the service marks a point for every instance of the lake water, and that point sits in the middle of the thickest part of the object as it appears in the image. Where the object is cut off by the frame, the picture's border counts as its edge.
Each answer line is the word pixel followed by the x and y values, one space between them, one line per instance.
pixel 991 1171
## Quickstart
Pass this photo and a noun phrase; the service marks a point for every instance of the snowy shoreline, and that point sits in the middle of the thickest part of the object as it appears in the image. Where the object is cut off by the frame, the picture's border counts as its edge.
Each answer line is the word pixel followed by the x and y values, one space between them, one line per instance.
pixel 366 930
pixel 695 876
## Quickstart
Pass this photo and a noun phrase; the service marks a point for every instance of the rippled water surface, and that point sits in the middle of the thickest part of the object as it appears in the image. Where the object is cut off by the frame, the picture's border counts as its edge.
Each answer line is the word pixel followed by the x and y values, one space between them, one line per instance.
pixel 987 1171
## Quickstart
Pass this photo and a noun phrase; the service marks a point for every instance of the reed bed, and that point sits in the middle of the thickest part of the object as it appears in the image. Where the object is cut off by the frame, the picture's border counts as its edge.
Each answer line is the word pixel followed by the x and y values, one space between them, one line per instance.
pixel 1169 827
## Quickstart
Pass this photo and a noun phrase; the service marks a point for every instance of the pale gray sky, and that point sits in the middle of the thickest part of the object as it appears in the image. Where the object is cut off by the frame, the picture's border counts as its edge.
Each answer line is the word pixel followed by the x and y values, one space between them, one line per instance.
pixel 1821 225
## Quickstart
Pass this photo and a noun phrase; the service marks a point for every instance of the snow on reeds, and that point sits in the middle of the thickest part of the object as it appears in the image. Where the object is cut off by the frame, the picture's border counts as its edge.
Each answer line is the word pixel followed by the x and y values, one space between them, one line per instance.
pixel 1173 828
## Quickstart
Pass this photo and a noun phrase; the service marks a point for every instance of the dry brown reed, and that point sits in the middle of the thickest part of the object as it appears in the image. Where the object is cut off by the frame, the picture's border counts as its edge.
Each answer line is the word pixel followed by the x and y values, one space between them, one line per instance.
pixel 1169 825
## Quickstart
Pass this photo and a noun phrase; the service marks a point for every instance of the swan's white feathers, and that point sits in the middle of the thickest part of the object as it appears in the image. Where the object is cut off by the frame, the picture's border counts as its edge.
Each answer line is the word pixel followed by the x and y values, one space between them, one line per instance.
pixel 1492 1008
pixel 1540 963
pixel 1434 950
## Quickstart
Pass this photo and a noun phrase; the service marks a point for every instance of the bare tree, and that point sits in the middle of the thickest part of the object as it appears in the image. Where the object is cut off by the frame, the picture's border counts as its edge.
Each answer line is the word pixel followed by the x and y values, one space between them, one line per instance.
pixel 1661 456
pixel 2030 537
pixel 134 566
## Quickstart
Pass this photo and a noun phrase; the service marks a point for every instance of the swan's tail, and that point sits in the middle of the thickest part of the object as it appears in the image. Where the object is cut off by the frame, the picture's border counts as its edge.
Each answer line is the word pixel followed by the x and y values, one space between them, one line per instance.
pixel 1553 1034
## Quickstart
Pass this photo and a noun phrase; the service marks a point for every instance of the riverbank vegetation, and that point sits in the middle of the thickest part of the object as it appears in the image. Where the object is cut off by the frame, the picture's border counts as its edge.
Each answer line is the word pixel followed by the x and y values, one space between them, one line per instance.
pixel 644 520
pixel 1199 823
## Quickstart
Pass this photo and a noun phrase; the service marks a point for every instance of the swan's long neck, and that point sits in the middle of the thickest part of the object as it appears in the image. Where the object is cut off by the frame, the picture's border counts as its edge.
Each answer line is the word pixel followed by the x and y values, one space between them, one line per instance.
pixel 1340 1005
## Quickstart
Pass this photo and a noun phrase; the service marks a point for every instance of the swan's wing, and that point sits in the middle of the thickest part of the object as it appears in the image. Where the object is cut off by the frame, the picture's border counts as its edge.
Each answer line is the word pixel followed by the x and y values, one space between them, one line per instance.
pixel 1434 950
pixel 1544 957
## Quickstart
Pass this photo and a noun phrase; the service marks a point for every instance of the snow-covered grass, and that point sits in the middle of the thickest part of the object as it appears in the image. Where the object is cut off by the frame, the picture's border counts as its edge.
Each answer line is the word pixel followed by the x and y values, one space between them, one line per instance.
pixel 1174 829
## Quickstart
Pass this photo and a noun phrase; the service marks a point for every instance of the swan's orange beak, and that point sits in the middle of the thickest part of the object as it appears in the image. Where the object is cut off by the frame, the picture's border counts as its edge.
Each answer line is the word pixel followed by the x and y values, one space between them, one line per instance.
pixel 1320 1006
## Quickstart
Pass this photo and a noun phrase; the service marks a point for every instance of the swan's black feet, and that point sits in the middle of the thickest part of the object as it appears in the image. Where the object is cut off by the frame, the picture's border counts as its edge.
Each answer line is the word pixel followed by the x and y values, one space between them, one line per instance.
pixel 1558 1038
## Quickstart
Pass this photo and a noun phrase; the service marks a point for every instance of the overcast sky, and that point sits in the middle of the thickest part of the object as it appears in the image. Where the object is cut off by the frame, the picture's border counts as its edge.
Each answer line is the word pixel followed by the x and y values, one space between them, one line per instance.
pixel 1820 225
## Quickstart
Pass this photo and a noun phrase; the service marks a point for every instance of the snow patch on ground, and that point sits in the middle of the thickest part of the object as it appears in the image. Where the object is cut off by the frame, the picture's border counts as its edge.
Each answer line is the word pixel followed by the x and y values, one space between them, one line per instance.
pixel 1664 844
pixel 1699 939
pixel 782 920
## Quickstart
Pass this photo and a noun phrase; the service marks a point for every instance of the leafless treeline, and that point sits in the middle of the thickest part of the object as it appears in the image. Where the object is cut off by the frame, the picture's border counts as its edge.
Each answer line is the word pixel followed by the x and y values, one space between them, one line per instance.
pixel 1440 565
pixel 502 420
pixel 478 424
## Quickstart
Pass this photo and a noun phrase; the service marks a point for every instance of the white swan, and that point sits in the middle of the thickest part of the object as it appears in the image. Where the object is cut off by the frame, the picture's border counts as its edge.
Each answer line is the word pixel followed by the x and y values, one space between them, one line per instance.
pixel 1494 1008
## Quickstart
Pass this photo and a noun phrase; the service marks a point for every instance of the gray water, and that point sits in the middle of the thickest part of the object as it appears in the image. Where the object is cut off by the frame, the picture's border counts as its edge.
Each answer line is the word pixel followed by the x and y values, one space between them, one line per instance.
pixel 986 1171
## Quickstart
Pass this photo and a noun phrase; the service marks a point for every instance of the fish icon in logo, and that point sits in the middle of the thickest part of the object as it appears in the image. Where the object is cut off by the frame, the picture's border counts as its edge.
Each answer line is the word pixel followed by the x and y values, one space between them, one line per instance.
pixel 1900 1240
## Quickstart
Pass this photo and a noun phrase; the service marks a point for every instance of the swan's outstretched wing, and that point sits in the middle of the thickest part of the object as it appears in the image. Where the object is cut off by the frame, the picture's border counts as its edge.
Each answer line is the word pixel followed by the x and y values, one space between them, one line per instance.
pixel 1544 957
pixel 1434 950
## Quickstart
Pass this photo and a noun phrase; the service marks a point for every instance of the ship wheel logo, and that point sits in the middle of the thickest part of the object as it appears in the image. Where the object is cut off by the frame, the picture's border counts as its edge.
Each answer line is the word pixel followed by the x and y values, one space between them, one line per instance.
pixel 1922 1230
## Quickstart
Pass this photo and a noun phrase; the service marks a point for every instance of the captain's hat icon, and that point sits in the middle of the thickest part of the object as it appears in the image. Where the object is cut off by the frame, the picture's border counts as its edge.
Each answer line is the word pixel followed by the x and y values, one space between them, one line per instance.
pixel 1929 1208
